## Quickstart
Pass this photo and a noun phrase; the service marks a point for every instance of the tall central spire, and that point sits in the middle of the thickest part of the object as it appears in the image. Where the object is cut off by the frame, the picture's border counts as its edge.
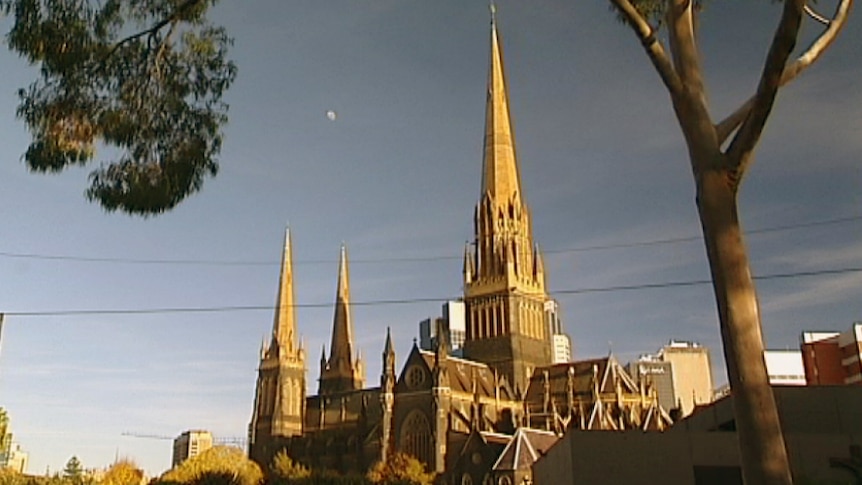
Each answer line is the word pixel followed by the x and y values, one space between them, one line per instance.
pixel 284 324
pixel 504 279
pixel 500 176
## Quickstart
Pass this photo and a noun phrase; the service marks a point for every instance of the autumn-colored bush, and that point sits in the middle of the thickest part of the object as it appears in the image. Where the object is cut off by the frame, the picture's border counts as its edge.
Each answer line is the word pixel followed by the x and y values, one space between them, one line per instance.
pixel 400 469
pixel 219 465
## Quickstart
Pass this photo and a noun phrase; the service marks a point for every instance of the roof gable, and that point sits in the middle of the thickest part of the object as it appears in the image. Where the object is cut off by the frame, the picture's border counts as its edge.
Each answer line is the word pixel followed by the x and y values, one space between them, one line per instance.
pixel 525 447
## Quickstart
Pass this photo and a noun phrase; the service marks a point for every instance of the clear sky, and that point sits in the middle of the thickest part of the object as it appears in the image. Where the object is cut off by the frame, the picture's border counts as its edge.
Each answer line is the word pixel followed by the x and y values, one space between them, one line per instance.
pixel 396 176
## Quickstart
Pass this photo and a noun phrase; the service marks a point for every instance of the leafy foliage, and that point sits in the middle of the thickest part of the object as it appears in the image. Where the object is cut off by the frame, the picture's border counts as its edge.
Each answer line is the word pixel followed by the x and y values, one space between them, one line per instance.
pixel 284 470
pixel 12 477
pixel 654 10
pixel 123 472
pixel 219 465
pixel 155 94
pixel 328 477
pixel 73 471
pixel 400 469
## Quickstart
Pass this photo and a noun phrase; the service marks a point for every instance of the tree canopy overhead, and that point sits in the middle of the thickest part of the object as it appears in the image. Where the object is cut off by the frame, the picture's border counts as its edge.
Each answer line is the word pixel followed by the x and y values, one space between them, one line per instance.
pixel 144 77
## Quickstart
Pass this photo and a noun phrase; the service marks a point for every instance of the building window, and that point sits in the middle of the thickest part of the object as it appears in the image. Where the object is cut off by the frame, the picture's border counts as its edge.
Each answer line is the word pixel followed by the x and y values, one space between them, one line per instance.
pixel 415 376
pixel 416 437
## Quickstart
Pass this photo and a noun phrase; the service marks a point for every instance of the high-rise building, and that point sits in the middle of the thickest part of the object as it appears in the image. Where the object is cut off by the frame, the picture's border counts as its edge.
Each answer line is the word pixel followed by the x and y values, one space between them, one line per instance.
pixel 692 373
pixel 833 357
pixel 681 374
pixel 559 340
pixel 451 322
pixel 784 367
pixel 191 443
pixel 655 374
pixel 16 459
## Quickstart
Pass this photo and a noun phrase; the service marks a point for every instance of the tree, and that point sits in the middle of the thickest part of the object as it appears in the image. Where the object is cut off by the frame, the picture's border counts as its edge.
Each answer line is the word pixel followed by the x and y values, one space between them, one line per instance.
pixel 73 471
pixel 223 465
pixel 285 470
pixel 154 95
pixel 720 153
pixel 123 472
pixel 11 477
pixel 400 469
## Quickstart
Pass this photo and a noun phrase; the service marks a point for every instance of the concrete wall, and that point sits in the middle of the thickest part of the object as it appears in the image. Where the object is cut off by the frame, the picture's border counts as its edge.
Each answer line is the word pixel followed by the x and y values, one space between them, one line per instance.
pixel 820 423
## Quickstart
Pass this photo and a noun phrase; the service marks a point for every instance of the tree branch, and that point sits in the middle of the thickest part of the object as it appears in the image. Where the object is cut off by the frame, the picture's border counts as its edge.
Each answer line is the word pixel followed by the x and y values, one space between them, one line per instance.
pixel 816 16
pixel 645 32
pixel 739 152
pixel 727 126
pixel 155 28
pixel 820 44
pixel 683 44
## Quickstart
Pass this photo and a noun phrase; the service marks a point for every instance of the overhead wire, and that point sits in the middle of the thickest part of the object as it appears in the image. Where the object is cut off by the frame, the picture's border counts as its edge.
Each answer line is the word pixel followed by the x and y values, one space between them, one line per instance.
pixel 419 259
pixel 405 301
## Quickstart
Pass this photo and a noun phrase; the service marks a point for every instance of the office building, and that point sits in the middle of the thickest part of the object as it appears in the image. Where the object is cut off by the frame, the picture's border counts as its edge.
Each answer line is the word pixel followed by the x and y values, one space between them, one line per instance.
pixel 831 358
pixel 190 444
pixel 784 367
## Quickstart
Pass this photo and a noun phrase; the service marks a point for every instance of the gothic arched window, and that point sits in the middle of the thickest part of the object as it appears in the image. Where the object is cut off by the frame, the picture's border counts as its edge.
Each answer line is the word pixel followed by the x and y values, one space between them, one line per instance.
pixel 416 437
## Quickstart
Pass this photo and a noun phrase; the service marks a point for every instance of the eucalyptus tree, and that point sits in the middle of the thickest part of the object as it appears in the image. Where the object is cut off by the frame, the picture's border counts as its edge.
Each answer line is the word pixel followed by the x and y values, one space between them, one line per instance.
pixel 140 79
pixel 720 152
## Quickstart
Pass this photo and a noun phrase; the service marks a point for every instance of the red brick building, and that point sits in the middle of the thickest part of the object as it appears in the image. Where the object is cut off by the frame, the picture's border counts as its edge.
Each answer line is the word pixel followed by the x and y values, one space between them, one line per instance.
pixel 832 358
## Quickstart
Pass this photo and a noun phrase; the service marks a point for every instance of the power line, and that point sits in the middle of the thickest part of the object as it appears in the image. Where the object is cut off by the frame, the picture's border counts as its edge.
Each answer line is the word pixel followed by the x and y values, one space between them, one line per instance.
pixel 417 259
pixel 408 301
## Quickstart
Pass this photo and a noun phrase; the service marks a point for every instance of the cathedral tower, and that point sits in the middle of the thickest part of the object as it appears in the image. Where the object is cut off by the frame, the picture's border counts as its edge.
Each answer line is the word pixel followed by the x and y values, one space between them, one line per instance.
pixel 342 371
pixel 280 393
pixel 504 279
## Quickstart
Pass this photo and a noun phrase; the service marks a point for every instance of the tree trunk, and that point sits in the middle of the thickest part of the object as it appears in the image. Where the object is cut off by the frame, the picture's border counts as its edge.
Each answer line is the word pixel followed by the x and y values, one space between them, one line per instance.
pixel 761 443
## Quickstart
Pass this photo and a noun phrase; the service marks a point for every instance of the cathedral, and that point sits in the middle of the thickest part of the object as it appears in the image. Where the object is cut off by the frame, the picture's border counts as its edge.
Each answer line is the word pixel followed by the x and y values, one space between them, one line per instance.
pixel 473 419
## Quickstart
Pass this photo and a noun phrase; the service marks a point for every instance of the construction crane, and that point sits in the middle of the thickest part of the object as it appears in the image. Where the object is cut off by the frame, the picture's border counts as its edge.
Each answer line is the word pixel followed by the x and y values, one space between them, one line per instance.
pixel 220 440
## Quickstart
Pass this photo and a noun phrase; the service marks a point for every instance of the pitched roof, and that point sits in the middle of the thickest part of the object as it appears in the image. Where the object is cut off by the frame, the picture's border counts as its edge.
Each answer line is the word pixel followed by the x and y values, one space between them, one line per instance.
pixel 463 373
pixel 525 447
pixel 581 373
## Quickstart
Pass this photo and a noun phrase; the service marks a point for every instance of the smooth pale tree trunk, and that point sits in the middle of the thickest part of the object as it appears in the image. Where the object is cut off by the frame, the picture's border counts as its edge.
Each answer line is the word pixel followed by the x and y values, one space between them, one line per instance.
pixel 717 174
pixel 761 442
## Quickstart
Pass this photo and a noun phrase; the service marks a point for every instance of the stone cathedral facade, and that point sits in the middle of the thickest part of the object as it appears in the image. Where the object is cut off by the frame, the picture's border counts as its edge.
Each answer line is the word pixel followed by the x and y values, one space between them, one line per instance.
pixel 468 419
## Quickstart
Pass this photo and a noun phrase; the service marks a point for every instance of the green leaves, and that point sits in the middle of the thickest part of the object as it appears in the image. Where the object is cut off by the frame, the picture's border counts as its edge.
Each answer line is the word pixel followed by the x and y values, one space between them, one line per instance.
pixel 653 11
pixel 155 94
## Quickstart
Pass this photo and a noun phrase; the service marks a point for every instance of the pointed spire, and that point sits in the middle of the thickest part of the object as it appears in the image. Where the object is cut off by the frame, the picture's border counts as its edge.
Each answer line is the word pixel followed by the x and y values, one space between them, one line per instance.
pixel 387 378
pixel 538 265
pixel 284 325
pixel 342 371
pixel 341 349
pixel 500 176
pixel 468 270
pixel 388 349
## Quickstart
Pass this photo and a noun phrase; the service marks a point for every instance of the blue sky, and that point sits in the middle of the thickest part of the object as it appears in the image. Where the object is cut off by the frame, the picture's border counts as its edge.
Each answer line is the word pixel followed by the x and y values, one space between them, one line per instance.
pixel 396 176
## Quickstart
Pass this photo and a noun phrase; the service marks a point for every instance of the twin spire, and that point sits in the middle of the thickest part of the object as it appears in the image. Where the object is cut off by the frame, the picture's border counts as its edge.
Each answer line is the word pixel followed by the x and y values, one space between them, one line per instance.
pixel 342 371
pixel 284 325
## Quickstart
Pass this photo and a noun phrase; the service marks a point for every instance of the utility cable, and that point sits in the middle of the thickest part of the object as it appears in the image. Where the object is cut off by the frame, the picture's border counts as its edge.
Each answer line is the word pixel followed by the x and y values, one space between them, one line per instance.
pixel 406 301
pixel 418 259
